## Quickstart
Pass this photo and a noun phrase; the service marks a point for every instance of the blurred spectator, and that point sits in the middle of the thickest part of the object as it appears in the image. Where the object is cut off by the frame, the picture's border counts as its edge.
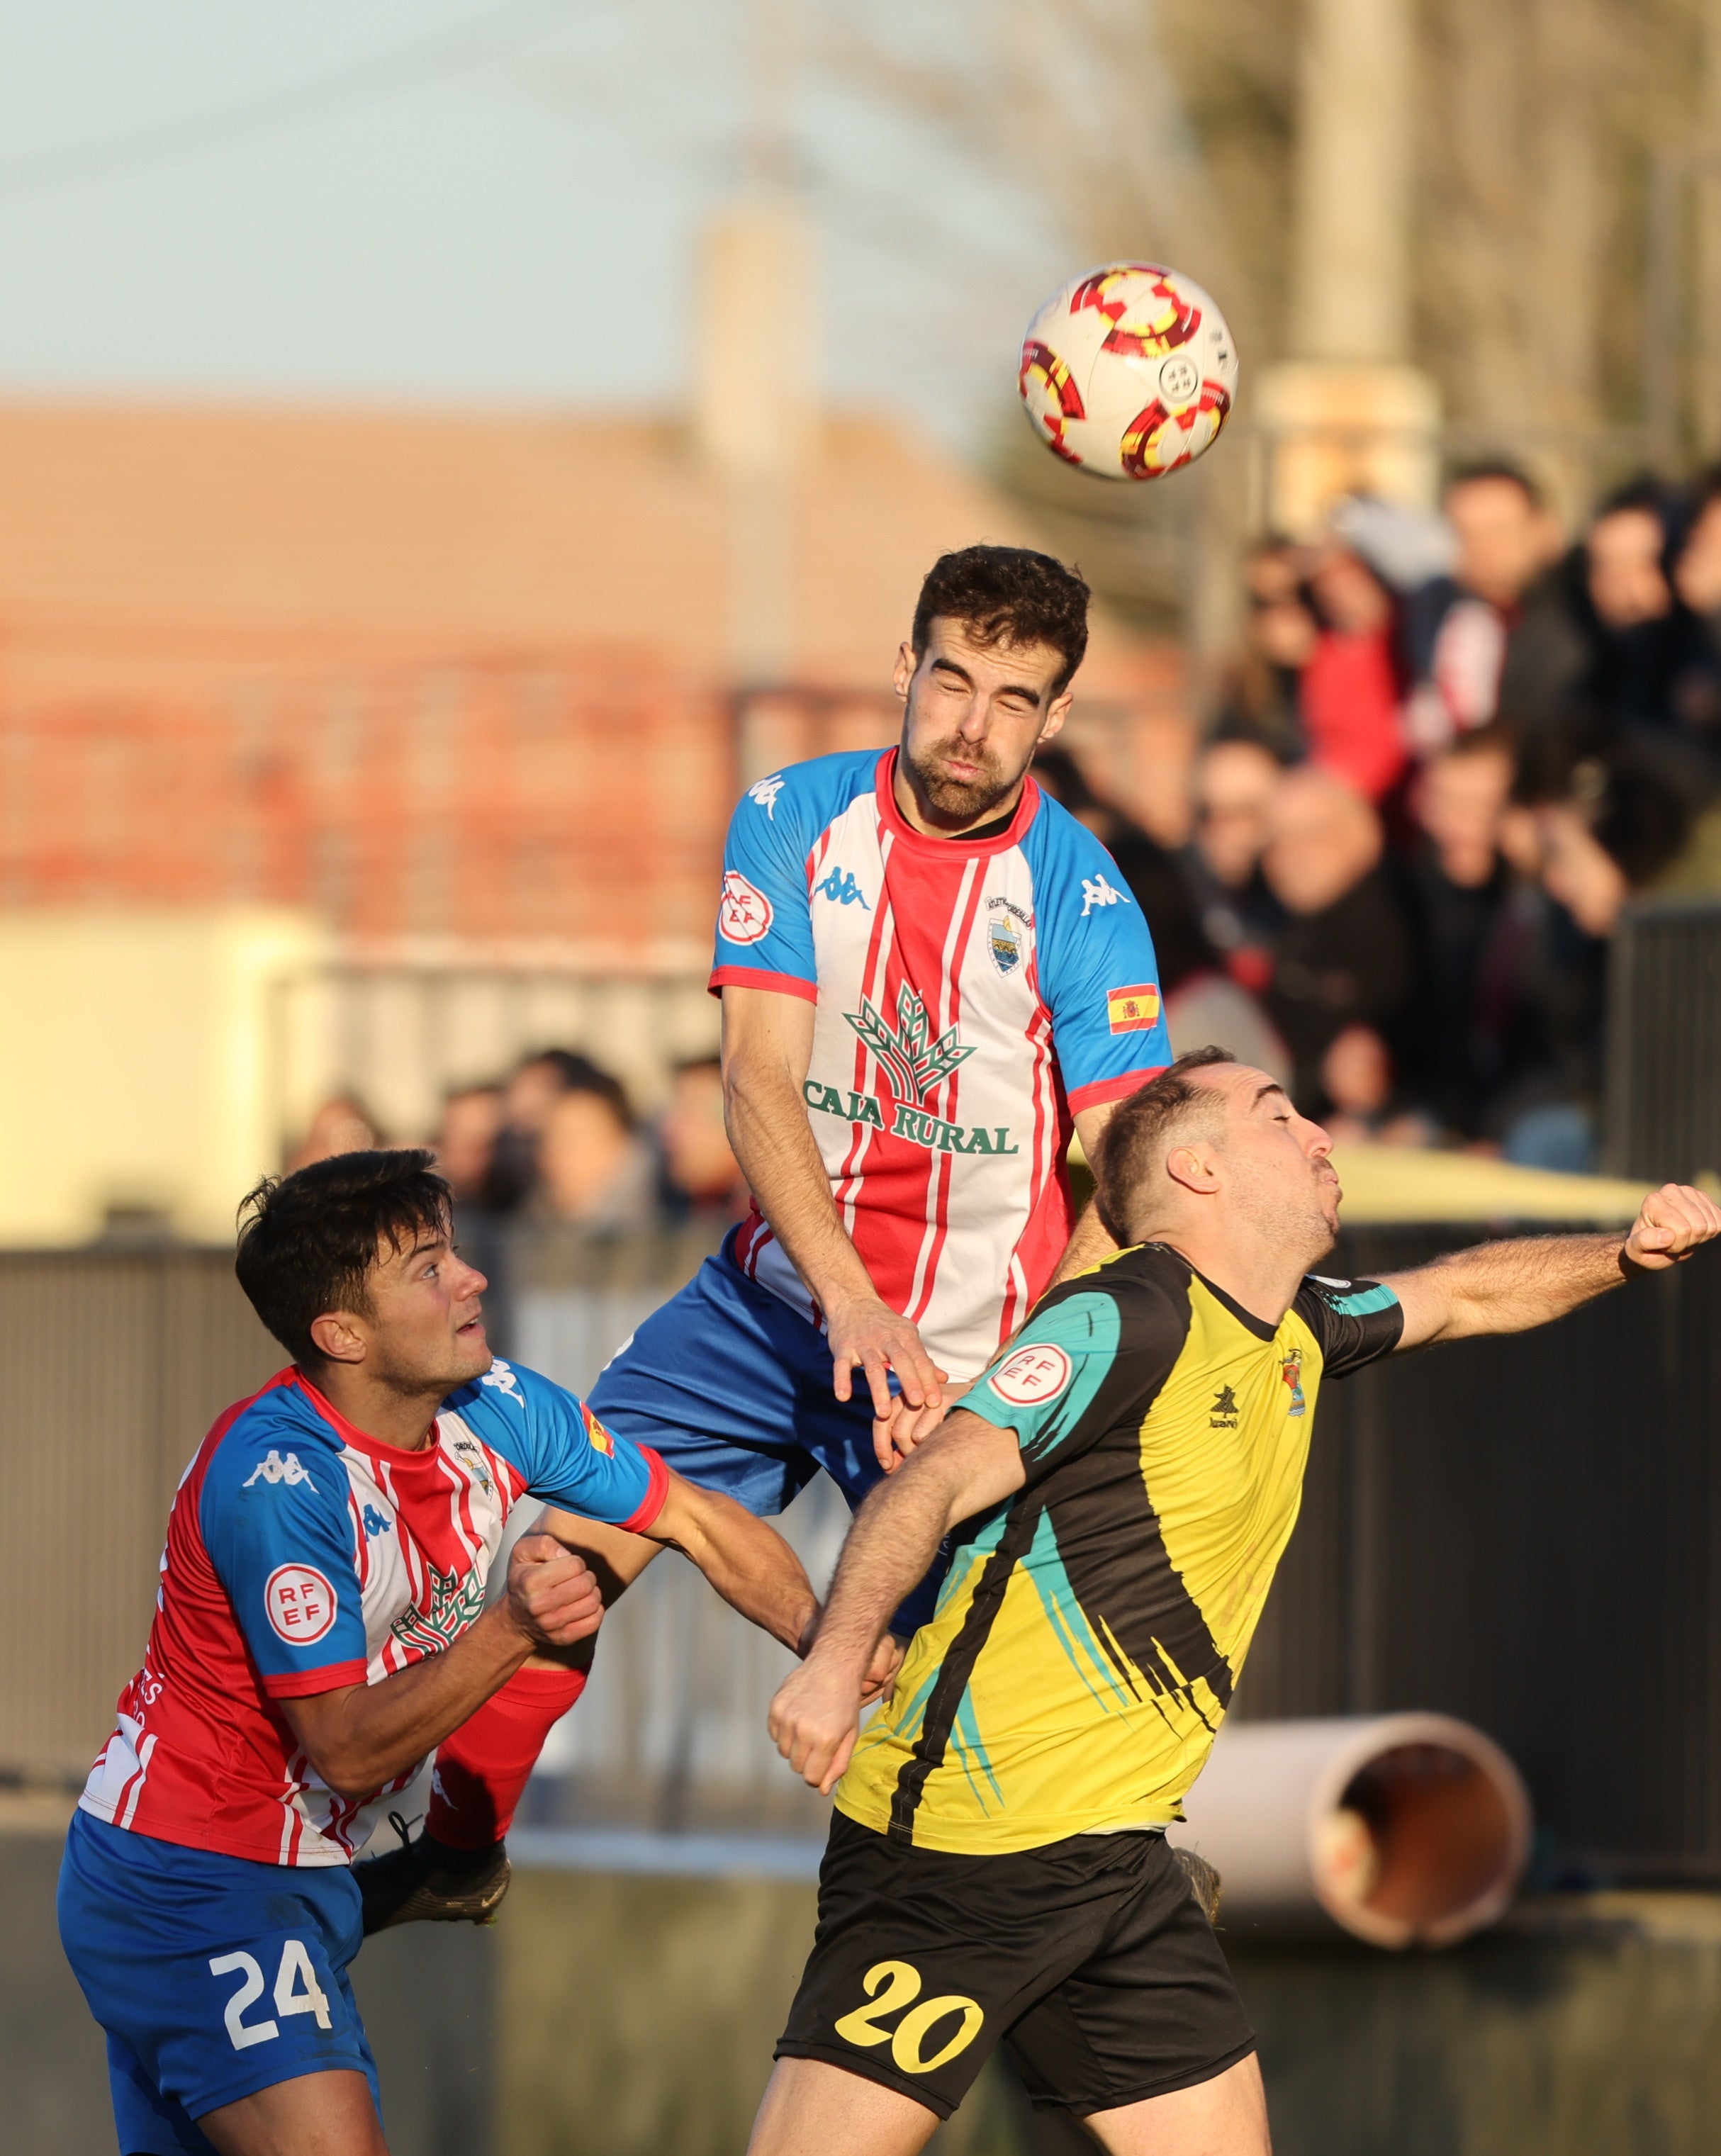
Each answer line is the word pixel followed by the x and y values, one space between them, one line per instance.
pixel 1344 958
pixel 1457 627
pixel 1262 702
pixel 1148 868
pixel 701 1173
pixel 1645 640
pixel 342 1124
pixel 1239 916
pixel 592 1171
pixel 538 1082
pixel 1458 881
pixel 466 1140
pixel 1350 687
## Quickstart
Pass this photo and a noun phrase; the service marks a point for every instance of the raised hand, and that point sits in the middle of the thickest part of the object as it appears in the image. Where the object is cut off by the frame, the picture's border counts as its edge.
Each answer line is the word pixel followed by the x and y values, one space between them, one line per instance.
pixel 553 1597
pixel 1674 1221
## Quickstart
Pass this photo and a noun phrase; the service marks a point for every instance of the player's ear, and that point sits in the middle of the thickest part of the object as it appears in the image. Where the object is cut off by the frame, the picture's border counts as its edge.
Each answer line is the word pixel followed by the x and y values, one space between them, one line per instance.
pixel 904 673
pixel 338 1337
pixel 1192 1166
pixel 1056 714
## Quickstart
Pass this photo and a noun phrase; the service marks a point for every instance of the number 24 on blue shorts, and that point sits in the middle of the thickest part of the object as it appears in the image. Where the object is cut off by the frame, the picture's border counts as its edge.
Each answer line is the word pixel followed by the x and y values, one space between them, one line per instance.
pixel 213 1976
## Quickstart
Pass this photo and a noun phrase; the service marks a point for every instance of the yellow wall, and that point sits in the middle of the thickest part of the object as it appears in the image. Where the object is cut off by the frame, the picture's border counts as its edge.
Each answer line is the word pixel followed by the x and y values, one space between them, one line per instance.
pixel 138 1064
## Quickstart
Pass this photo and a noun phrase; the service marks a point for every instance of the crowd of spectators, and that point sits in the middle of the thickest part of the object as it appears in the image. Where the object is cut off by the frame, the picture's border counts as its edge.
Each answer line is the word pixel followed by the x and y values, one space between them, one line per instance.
pixel 559 1141
pixel 1455 748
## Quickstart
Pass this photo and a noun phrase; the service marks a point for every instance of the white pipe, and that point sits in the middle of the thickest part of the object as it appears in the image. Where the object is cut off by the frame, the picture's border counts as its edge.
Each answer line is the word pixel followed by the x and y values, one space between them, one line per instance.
pixel 1403 1828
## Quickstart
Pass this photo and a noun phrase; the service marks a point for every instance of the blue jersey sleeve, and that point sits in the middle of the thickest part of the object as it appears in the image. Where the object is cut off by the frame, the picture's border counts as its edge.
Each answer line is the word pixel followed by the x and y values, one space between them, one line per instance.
pixel 278 1533
pixel 1098 976
pixel 565 1454
pixel 764 937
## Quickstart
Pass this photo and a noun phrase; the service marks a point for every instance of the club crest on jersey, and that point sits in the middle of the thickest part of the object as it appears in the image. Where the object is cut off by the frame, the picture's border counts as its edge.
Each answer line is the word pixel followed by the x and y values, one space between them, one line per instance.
pixel 454 1603
pixel 1290 1370
pixel 743 912
pixel 912 1066
pixel 1006 933
pixel 274 1469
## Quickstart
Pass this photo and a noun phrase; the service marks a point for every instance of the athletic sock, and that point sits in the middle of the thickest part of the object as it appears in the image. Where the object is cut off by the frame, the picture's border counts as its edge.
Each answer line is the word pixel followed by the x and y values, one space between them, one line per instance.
pixel 481 1769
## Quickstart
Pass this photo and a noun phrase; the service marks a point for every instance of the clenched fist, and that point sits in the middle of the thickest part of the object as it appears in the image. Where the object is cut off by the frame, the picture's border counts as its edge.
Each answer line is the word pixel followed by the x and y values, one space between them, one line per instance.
pixel 1674 1221
pixel 552 1596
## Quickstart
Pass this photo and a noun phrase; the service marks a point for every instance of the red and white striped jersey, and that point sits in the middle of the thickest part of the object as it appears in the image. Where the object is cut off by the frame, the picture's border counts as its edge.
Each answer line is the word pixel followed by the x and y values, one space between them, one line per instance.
pixel 303 1556
pixel 970 994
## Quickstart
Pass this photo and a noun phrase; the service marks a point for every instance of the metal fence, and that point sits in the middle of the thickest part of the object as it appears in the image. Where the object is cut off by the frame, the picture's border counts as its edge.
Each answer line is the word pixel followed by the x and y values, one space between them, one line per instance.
pixel 1664 1040
pixel 1526 1532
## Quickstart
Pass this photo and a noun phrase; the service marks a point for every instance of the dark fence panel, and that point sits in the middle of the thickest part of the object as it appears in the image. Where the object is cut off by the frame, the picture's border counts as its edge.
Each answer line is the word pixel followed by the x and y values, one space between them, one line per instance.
pixel 115 1364
pixel 1664 1041
pixel 1526 1532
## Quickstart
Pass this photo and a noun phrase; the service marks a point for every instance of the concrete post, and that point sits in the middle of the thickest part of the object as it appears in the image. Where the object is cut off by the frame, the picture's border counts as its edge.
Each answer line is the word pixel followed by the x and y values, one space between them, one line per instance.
pixel 1348 413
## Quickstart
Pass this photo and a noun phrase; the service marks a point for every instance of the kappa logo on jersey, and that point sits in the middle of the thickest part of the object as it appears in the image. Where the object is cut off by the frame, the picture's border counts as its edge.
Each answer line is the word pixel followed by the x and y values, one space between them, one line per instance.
pixel 1134 1009
pixel 1007 928
pixel 841 886
pixel 1096 892
pixel 912 1066
pixel 764 792
pixel 597 1436
pixel 744 912
pixel 374 1524
pixel 456 1603
pixel 300 1603
pixel 1032 1375
pixel 274 1469
pixel 501 1374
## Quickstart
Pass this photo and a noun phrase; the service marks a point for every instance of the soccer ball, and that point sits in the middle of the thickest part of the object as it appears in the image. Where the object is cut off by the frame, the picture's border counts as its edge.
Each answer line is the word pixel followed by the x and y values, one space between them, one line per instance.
pixel 1129 372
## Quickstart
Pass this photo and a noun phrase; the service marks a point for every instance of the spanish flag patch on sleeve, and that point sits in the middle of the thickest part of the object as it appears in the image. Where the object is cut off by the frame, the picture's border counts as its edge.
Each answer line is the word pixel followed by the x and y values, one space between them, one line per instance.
pixel 599 1438
pixel 1133 1010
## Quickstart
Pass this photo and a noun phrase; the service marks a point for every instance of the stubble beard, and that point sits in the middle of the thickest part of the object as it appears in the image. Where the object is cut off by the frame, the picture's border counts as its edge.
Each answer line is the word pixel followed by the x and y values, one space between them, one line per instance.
pixel 964 800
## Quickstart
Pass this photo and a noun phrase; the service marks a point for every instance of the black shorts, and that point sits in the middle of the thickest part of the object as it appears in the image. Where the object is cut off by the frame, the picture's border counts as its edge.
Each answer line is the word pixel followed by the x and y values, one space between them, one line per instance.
pixel 1090 1958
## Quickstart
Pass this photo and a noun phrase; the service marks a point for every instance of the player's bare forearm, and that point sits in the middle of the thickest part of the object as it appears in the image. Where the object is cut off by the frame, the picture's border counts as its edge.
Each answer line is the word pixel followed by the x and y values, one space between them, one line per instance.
pixel 745 1559
pixel 767 1043
pixel 360 1737
pixel 1512 1286
pixel 1091 1240
pixel 964 1466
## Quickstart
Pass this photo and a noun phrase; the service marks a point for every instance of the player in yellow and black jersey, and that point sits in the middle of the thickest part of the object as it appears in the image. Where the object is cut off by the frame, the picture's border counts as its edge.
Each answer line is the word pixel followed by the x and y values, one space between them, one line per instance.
pixel 1122 1482
pixel 1091 1629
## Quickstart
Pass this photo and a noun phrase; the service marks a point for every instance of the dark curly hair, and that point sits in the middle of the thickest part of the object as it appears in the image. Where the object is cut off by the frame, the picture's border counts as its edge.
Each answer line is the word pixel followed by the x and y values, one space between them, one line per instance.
pixel 308 1240
pixel 1007 595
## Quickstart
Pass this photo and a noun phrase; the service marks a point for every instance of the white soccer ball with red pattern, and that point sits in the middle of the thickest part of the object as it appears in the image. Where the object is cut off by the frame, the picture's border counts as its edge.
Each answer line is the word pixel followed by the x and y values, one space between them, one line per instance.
pixel 1129 372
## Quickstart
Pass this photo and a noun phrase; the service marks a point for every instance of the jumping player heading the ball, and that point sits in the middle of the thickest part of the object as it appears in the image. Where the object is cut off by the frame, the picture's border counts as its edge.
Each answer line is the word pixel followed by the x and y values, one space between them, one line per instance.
pixel 928 969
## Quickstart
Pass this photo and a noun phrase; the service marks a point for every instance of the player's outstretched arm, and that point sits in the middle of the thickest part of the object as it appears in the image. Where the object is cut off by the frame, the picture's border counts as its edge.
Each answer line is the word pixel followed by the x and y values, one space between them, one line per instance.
pixel 360 1738
pixel 1509 1287
pixel 768 1046
pixel 745 1559
pixel 965 1466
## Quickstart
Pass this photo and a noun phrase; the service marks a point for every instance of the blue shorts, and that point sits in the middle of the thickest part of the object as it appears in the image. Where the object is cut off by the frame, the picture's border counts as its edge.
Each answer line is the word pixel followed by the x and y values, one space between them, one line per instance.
pixel 732 1388
pixel 213 1976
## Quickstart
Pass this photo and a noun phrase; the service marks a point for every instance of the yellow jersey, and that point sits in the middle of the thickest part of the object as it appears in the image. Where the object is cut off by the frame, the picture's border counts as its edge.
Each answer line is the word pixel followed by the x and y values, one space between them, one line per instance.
pixel 1092 1627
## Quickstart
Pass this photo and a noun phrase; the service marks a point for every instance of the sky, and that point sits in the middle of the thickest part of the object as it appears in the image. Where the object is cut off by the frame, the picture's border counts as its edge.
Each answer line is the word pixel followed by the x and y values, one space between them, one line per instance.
pixel 517 223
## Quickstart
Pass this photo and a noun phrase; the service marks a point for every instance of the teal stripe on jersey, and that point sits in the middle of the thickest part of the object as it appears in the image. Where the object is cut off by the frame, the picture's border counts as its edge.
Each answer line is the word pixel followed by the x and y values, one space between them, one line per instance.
pixel 1083 1331
pixel 1363 1305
